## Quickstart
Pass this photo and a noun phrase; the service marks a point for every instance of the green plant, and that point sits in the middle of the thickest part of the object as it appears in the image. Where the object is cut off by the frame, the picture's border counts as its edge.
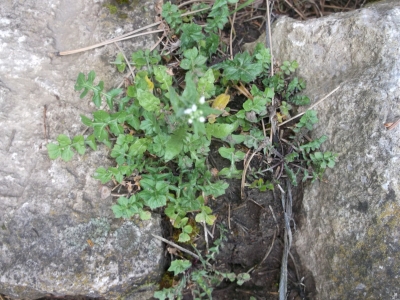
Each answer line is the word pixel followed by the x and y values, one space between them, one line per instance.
pixel 203 278
pixel 159 132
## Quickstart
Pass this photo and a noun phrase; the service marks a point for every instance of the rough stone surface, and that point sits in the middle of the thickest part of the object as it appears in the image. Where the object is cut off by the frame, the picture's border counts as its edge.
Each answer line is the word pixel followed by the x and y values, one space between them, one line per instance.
pixel 57 232
pixel 349 237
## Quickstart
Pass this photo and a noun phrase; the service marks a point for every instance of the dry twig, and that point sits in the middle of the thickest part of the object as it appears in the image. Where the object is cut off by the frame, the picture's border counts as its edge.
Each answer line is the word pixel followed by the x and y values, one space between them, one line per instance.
pixel 312 106
pixel 176 246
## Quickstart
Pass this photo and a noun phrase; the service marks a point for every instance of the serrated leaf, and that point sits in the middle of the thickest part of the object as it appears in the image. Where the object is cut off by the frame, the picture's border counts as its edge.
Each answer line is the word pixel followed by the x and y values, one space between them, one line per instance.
pixel 205 85
pixel 103 175
pixel 85 120
pixel 215 189
pixel 179 266
pixel 175 144
pixel 205 216
pixel 53 150
pixel 67 153
pixel 110 95
pixel 148 101
pixel 184 237
pixel 220 131
pixel 63 140
pixel 231 276
pixel 191 34
pixel 139 59
pixel 144 215
pixel 78 142
pixel 231 154
pixel 241 68
pixel 139 146
pixel 242 278
pixel 258 104
pixel 163 77
pixel 91 142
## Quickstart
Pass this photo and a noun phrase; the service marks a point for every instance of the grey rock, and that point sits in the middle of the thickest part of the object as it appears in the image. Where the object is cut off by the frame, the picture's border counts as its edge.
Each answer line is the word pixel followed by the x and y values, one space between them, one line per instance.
pixel 57 231
pixel 349 236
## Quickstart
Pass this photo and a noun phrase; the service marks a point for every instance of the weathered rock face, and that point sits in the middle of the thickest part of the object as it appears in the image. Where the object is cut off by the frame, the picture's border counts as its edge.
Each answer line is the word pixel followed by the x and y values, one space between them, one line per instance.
pixel 350 235
pixel 57 232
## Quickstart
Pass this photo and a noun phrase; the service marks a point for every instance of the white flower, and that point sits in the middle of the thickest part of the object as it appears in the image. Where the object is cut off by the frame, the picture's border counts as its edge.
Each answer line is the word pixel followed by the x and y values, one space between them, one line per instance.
pixel 202 119
pixel 194 107
pixel 187 111
pixel 190 121
pixel 202 100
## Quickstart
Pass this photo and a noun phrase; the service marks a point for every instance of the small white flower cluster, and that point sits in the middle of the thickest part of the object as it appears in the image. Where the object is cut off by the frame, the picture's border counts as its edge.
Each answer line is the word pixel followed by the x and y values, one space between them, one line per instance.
pixel 194 113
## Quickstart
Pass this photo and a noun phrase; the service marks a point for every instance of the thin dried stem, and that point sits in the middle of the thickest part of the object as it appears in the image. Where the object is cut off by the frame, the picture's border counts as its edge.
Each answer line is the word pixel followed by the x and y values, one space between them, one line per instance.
pixel 176 246
pixel 126 60
pixel 311 107
pixel 231 34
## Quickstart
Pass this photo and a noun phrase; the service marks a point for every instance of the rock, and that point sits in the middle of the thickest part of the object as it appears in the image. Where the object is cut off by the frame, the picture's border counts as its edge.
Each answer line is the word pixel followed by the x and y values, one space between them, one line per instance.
pixel 57 231
pixel 349 235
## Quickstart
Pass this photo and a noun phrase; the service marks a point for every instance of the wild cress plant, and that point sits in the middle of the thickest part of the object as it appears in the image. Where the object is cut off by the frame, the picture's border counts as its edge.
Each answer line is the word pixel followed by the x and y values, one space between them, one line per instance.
pixel 159 133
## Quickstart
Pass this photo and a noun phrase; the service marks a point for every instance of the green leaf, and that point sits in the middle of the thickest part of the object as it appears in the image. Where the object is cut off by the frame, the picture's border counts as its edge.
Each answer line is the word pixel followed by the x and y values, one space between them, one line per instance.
pixel 258 104
pixel 139 147
pixel 242 278
pixel 67 154
pixel 205 216
pixel 110 95
pixel 211 44
pixel 163 77
pixel 179 266
pixel 263 55
pixel 172 15
pixel 291 157
pixel 148 101
pixel 120 62
pixel 150 123
pixel 175 144
pixel 103 175
pixel 85 120
pixel 154 193
pixel 119 153
pixel 220 131
pixel 308 120
pixel 231 154
pixel 183 237
pixel 86 85
pixel 53 150
pixel 63 140
pixel 241 68
pixel 191 33
pixel 126 208
pixel 144 215
pixel 300 100
pixel 215 189
pixel 139 59
pixel 313 145
pixel 91 142
pixel 231 276
pixel 78 143
pixel 205 85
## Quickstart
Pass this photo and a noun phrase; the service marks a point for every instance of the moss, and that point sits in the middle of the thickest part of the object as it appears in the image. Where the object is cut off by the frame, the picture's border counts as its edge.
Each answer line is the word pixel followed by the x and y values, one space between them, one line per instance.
pixel 167 280
pixel 113 9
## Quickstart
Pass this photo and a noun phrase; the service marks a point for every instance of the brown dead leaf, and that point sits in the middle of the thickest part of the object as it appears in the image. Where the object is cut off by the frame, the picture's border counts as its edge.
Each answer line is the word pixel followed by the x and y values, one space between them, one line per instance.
pixel 172 251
